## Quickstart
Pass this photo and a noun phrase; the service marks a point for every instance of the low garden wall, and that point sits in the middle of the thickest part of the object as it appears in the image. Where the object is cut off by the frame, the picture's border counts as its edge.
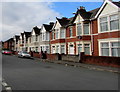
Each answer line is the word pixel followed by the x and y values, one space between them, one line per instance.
pixel 101 60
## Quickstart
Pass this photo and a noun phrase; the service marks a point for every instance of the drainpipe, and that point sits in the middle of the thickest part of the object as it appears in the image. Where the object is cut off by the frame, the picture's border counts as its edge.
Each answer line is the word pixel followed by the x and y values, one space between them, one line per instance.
pixel 91 37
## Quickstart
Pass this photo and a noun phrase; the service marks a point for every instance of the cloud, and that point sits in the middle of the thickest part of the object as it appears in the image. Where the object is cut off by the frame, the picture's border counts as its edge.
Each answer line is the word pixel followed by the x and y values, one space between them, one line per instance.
pixel 23 16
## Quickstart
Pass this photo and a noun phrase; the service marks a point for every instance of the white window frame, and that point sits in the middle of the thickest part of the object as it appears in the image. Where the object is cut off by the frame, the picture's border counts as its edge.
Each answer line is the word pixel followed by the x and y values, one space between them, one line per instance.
pixel 108 17
pixel 109 41
pixel 82 28
pixel 56 33
pixel 83 42
pixel 70 30
pixel 62 33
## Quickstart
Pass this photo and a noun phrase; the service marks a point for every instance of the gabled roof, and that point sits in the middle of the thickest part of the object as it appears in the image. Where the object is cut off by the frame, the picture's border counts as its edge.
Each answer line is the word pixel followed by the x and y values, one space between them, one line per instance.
pixel 63 22
pixel 17 37
pixel 115 4
pixel 48 27
pixel 94 12
pixel 27 34
pixel 36 30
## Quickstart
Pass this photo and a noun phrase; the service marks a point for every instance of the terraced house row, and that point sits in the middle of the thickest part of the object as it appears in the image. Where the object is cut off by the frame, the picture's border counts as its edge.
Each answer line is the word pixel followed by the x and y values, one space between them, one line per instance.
pixel 95 32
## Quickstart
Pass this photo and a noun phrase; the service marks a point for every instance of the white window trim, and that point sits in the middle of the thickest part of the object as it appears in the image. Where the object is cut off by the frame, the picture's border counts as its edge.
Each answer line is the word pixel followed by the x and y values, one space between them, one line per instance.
pixel 82 28
pixel 108 17
pixel 109 41
pixel 82 42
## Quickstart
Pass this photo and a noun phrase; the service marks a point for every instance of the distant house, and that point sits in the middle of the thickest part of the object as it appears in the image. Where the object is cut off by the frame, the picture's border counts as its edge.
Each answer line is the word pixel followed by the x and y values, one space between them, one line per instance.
pixel 33 43
pixel 26 36
pixel 79 31
pixel 9 44
pixel 21 42
pixel 16 45
pixel 58 36
pixel 45 37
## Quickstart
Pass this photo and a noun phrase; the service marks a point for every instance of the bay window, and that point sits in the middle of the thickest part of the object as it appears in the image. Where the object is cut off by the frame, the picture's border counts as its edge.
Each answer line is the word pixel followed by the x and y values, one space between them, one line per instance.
pixel 110 49
pixel 109 23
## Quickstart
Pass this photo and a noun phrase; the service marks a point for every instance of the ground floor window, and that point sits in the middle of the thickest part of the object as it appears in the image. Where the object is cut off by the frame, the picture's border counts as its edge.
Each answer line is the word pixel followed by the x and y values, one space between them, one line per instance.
pixel 47 49
pixel 57 49
pixel 79 46
pixel 110 49
pixel 62 49
pixel 53 49
pixel 36 49
pixel 87 49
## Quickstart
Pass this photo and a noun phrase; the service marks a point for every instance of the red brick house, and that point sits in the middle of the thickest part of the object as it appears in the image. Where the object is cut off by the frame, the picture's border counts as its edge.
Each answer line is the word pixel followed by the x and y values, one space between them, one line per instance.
pixel 106 37
pixel 58 36
pixel 9 44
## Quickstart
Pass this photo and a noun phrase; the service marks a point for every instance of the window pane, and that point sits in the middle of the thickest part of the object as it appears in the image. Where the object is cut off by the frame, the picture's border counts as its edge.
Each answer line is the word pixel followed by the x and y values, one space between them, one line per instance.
pixel 104 19
pixel 87 50
pixel 57 49
pixel 62 49
pixel 79 29
pixel 105 51
pixel 86 28
pixel 114 24
pixel 115 44
pixel 62 35
pixel 115 51
pixel 104 44
pixel 70 31
pixel 103 24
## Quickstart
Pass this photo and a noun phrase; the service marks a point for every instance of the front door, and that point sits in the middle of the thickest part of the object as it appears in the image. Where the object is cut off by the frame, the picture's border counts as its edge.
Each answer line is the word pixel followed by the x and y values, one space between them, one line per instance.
pixel 71 49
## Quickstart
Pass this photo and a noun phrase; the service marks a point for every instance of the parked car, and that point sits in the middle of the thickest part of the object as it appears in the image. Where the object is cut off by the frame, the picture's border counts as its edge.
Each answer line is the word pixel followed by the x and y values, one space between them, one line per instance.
pixel 8 52
pixel 24 54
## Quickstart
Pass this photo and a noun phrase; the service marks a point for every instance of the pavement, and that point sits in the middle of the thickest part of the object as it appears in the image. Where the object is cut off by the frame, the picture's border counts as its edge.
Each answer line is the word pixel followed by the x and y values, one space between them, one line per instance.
pixel 83 65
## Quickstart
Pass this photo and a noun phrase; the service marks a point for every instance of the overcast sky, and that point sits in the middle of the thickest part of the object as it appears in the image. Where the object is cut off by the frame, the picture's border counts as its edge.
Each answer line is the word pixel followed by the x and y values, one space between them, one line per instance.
pixel 23 16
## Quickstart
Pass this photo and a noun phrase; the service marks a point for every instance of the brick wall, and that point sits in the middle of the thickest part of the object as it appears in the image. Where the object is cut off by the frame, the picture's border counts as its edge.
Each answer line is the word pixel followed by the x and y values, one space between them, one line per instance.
pixel 71 58
pixel 101 60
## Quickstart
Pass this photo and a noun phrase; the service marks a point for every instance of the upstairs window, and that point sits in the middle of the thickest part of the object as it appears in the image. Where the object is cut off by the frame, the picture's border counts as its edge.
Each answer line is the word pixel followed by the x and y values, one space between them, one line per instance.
pixel 53 34
pixel 57 33
pixel 71 32
pixel 79 29
pixel 87 49
pixel 114 22
pixel 86 28
pixel 103 24
pixel 62 33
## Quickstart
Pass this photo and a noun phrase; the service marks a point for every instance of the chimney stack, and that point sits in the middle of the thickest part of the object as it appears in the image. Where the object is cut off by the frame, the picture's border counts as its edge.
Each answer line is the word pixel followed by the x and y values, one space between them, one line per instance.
pixel 81 7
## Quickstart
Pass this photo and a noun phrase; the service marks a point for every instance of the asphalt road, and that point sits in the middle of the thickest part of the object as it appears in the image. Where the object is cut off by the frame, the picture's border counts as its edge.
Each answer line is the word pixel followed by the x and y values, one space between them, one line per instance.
pixel 28 74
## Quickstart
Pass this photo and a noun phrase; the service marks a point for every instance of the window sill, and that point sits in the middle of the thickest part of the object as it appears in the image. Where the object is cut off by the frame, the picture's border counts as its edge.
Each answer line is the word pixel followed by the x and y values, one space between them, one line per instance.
pixel 110 31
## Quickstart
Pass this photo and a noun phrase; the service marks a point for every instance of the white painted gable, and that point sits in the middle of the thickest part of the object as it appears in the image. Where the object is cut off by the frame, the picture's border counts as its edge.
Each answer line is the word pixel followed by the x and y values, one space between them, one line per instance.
pixel 57 26
pixel 33 32
pixel 43 29
pixel 78 19
pixel 108 9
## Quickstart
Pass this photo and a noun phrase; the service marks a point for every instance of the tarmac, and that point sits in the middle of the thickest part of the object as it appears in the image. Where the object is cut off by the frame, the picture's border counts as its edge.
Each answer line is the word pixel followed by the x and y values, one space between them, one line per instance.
pixel 83 65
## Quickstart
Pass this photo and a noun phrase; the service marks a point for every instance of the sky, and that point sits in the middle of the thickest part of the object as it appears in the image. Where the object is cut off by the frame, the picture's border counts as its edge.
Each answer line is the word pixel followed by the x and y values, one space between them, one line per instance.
pixel 21 16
